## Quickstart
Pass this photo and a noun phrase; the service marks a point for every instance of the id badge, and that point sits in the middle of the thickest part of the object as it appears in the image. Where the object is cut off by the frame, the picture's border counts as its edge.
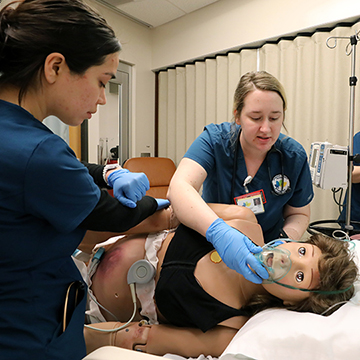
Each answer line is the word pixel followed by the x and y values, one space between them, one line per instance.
pixel 254 201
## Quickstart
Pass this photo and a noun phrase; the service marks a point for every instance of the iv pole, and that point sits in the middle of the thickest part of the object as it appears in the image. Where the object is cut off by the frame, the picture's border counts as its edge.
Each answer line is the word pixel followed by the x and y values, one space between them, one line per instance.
pixel 352 82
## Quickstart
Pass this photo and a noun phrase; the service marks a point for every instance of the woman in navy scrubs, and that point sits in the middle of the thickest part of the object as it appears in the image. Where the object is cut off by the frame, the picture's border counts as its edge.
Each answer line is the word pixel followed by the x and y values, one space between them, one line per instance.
pixel 249 163
pixel 55 59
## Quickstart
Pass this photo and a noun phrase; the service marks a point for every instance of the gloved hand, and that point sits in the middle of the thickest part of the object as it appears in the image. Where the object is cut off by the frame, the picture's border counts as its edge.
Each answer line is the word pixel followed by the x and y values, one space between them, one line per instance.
pixel 235 249
pixel 128 187
pixel 162 204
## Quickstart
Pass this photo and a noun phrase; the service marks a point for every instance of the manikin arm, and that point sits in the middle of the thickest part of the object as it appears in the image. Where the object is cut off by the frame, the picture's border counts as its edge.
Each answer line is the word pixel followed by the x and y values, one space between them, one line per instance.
pixel 160 220
pixel 296 221
pixel 161 339
pixel 165 219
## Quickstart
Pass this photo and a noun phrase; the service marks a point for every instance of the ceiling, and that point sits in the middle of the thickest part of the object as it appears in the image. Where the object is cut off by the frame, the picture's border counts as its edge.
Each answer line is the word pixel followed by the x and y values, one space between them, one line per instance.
pixel 154 13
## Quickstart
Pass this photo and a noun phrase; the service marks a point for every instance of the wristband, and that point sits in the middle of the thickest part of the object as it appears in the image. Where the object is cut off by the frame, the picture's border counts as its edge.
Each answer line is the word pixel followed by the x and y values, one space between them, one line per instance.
pixel 107 168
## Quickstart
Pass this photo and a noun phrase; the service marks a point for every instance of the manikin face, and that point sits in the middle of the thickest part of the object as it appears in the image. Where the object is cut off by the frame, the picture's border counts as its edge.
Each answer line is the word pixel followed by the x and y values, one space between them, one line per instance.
pixel 304 272
pixel 76 97
pixel 261 119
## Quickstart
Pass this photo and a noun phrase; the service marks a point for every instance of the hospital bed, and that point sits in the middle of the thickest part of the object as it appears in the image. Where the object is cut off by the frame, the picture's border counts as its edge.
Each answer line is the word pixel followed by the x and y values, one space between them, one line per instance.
pixel 279 334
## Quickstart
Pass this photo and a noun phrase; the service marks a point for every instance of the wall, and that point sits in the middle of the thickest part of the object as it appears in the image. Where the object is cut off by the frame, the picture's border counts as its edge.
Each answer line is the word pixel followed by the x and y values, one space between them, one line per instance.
pixel 229 24
pixel 136 51
pixel 216 28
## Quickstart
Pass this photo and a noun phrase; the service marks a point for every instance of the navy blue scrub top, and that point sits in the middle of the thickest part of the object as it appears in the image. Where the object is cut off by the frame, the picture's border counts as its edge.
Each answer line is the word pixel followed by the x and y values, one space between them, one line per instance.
pixel 214 150
pixel 45 193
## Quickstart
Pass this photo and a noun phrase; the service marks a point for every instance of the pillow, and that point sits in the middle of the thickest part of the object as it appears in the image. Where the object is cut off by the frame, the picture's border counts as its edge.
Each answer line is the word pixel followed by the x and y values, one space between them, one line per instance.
pixel 282 334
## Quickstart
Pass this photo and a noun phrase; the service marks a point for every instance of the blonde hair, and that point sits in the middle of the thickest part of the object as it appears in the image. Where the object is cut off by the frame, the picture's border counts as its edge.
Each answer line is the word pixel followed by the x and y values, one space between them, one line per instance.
pixel 260 80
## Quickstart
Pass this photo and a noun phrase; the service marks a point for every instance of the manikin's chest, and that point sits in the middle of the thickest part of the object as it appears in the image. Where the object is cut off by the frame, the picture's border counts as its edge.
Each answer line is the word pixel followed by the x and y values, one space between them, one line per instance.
pixel 218 280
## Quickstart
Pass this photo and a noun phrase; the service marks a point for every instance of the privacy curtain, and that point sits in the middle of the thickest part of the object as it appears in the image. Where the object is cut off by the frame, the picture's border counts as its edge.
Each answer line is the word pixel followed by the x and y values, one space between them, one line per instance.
pixel 315 78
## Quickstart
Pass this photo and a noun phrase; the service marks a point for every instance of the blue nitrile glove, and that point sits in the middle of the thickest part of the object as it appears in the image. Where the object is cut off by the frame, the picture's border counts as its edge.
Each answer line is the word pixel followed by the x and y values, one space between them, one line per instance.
pixel 162 204
pixel 128 187
pixel 235 249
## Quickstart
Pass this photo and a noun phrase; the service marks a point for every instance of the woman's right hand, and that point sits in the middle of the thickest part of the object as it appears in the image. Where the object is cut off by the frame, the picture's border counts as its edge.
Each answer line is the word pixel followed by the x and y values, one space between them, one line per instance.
pixel 129 187
pixel 236 250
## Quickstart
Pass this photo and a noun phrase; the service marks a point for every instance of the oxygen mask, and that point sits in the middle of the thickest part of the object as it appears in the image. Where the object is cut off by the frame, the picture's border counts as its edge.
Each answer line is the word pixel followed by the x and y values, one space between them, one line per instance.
pixel 276 261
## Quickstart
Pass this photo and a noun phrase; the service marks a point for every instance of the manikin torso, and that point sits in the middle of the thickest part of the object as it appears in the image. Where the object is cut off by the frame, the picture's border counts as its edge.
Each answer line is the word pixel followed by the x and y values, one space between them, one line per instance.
pixel 112 291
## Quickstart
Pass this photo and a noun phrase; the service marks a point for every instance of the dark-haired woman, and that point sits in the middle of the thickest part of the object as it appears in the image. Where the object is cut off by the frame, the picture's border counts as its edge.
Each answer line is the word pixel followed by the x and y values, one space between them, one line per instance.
pixel 55 59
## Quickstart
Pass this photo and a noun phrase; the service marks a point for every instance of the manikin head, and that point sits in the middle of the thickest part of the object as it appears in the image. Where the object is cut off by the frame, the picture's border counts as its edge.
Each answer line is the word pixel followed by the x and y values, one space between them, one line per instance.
pixel 322 273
